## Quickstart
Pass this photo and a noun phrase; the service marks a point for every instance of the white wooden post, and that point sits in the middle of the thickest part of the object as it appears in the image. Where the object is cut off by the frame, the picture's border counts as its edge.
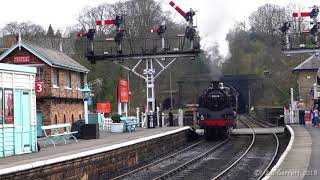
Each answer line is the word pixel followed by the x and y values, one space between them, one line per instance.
pixel 180 117
pixel 162 120
pixel 158 116
pixel 138 113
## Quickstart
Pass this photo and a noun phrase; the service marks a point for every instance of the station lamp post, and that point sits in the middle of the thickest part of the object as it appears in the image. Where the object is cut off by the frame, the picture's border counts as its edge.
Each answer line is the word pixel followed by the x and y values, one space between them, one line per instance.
pixel 86 93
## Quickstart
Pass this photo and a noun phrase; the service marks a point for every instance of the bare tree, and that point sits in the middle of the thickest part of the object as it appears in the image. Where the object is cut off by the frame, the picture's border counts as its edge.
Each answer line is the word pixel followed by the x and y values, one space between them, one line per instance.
pixel 267 18
pixel 27 29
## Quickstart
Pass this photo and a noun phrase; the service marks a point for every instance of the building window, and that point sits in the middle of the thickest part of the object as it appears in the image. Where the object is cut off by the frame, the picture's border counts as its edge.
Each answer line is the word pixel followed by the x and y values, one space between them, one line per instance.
pixel 72 118
pixel 40 73
pixel 64 119
pixel 55 78
pixel 78 81
pixel 80 116
pixel 67 79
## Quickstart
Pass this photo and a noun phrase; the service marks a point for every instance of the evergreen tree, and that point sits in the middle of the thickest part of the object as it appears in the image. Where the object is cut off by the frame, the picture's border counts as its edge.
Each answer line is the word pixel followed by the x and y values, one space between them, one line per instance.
pixel 58 34
pixel 50 32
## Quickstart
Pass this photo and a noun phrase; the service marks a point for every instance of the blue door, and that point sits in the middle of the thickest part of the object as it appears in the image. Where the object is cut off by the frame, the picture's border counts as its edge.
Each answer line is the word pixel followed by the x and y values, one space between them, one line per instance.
pixel 39 123
pixel 22 121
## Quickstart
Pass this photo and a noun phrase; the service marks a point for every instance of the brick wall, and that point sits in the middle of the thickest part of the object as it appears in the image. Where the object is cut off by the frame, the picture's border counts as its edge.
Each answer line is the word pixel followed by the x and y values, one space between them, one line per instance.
pixel 65 109
pixel 105 165
pixel 306 79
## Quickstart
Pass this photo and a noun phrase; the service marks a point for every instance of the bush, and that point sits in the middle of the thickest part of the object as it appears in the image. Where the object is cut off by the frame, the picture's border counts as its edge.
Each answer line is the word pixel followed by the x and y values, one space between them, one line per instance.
pixel 116 118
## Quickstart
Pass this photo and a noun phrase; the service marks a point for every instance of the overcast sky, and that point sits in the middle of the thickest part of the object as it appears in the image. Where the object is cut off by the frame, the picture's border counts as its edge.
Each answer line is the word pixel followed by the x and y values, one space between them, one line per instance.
pixel 215 17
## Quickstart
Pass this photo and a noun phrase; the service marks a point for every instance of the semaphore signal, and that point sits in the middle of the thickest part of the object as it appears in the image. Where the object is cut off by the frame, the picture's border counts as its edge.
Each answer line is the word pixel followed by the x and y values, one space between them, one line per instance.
pixel 190 31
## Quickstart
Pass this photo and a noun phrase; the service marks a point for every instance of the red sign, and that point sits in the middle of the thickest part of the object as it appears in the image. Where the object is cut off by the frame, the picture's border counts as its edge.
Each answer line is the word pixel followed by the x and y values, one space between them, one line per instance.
pixel 123 91
pixel 124 94
pixel 123 83
pixel 39 86
pixel 104 107
pixel 21 59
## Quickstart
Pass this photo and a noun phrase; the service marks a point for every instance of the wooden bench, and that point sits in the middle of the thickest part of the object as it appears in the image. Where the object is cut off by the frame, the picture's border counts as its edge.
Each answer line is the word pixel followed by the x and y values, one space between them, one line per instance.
pixel 59 132
pixel 129 123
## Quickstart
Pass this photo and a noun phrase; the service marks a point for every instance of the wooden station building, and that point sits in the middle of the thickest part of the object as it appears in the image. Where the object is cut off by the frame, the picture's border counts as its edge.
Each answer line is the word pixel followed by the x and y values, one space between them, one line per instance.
pixel 59 81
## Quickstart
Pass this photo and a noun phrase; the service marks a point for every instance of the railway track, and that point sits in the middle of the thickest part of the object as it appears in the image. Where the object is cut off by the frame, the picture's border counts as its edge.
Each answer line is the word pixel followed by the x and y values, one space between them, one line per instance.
pixel 260 173
pixel 277 146
pixel 248 157
pixel 244 157
pixel 174 163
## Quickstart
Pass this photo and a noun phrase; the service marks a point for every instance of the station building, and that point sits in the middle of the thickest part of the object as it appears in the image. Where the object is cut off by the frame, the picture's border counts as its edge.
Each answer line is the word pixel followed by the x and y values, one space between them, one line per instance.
pixel 59 81
pixel 307 76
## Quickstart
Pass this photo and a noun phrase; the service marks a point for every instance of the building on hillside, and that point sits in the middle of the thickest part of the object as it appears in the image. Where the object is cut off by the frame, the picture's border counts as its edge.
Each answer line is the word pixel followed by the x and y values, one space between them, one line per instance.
pixel 59 81
pixel 307 76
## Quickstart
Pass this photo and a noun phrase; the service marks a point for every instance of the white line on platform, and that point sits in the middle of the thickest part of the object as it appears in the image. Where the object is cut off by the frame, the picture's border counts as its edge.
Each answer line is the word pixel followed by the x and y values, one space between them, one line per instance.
pixel 283 156
pixel 86 153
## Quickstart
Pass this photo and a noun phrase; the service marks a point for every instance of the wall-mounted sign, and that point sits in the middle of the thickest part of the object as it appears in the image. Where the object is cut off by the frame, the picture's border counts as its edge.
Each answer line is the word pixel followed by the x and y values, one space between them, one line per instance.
pixel 21 59
pixel 8 102
pixel 39 86
pixel 104 107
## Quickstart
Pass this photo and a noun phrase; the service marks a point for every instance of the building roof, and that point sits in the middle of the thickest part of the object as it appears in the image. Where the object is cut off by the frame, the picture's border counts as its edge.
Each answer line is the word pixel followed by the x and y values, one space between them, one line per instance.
pixel 312 63
pixel 52 57
pixel 17 68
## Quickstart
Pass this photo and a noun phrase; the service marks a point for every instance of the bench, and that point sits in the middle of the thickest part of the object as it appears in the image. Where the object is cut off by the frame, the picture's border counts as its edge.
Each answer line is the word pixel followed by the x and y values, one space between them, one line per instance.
pixel 59 132
pixel 130 123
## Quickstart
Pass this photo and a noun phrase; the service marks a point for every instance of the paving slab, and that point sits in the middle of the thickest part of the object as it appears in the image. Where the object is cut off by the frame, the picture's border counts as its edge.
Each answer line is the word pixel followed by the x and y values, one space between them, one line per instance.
pixel 248 131
pixel 294 163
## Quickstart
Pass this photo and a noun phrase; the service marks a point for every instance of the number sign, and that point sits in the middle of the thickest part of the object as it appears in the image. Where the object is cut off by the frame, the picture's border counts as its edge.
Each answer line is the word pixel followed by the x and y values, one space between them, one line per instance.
pixel 39 86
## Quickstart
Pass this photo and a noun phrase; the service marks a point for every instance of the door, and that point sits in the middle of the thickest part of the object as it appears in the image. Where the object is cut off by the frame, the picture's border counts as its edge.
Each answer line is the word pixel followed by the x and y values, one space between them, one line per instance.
pixel 39 123
pixel 22 121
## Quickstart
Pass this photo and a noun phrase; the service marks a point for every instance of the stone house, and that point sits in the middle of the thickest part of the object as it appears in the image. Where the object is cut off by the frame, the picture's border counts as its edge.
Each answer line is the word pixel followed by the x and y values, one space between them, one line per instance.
pixel 59 81
pixel 307 76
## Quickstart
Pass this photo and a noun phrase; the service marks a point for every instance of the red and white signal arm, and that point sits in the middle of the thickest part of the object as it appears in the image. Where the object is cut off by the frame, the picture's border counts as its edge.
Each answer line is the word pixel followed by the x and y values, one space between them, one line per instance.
pixel 39 86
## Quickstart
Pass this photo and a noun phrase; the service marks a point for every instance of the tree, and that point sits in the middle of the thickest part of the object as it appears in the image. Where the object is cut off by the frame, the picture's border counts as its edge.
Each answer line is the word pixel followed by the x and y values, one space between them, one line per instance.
pixel 267 18
pixel 58 34
pixel 27 29
pixel 50 32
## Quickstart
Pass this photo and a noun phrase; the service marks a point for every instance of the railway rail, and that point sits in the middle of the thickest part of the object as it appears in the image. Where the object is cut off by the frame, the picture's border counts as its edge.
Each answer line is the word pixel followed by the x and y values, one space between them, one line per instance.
pixel 212 160
pixel 262 173
pixel 177 161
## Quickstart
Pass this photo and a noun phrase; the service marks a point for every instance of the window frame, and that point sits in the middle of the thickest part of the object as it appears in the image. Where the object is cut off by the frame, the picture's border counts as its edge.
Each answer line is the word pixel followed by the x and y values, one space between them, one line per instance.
pixel 55 77
pixel 78 81
pixel 67 79
pixel 39 75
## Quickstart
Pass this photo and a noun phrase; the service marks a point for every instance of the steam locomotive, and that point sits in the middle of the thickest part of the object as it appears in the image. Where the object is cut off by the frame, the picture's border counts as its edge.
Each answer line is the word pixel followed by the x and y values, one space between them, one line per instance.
pixel 218 110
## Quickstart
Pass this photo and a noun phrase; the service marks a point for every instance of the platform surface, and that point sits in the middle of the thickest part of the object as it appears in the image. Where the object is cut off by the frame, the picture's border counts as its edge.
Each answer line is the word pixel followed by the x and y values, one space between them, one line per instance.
pixel 246 131
pixel 302 161
pixel 63 150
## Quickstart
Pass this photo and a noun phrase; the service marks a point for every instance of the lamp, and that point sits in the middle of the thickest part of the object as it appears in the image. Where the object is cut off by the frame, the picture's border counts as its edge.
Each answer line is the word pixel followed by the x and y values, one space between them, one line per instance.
pixel 86 93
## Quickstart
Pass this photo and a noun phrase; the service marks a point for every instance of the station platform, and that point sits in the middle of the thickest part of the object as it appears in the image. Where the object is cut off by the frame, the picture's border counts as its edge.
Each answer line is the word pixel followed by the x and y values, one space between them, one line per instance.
pixel 62 152
pixel 301 159
pixel 248 131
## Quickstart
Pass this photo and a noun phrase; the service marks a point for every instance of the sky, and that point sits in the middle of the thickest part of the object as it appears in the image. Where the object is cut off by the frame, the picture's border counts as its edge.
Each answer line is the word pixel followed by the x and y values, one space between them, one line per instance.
pixel 214 17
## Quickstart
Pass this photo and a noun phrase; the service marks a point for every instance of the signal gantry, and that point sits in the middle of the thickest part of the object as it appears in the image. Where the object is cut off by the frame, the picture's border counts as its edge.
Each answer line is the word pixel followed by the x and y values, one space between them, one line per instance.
pixel 311 29
pixel 150 50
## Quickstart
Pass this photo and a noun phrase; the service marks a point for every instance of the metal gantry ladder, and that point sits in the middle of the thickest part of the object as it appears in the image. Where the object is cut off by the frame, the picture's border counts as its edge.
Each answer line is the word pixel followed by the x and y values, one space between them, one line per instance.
pixel 149 74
